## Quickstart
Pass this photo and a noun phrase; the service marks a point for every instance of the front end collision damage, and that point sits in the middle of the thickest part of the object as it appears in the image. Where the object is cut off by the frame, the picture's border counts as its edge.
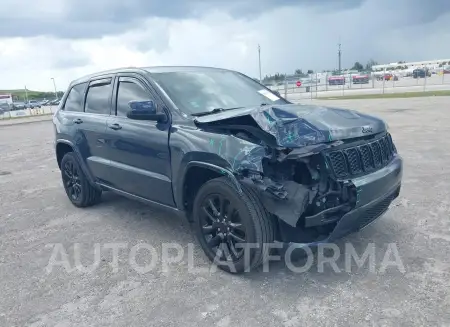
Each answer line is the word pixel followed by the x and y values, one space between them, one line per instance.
pixel 294 184
pixel 279 152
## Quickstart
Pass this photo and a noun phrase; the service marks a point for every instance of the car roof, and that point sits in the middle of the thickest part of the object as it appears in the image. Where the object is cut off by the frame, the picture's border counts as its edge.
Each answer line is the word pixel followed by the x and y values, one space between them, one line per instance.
pixel 174 69
pixel 154 69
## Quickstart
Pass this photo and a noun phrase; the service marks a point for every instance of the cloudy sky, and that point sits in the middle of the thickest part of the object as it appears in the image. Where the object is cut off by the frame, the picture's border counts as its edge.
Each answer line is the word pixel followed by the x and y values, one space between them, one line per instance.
pixel 65 39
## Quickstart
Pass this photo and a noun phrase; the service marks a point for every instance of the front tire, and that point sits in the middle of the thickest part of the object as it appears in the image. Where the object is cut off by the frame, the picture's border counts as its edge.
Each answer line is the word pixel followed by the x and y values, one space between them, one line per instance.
pixel 78 189
pixel 233 228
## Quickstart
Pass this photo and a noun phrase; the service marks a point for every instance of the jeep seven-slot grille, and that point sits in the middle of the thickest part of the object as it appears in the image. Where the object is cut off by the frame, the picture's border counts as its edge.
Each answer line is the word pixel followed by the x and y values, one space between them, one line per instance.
pixel 367 157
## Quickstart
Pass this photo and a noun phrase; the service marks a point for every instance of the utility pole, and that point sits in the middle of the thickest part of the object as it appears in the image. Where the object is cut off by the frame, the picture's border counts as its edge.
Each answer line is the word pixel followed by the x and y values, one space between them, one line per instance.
pixel 54 85
pixel 26 94
pixel 259 59
pixel 339 57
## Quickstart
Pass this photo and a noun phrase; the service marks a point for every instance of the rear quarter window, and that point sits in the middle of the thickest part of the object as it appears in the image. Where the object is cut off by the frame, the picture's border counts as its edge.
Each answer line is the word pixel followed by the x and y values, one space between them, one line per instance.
pixel 74 101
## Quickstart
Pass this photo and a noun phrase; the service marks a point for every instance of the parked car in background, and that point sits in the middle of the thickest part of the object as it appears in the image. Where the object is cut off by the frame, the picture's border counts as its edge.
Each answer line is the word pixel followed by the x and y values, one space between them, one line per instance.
pixel 33 104
pixel 408 74
pixel 388 77
pixel 421 73
pixel 360 79
pixel 54 102
pixel 336 80
pixel 243 165
pixel 19 105
pixel 4 107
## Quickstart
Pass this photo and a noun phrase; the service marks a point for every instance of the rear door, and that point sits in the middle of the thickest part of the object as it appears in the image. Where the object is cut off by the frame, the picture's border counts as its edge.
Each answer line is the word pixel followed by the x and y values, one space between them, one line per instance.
pixel 92 127
pixel 140 158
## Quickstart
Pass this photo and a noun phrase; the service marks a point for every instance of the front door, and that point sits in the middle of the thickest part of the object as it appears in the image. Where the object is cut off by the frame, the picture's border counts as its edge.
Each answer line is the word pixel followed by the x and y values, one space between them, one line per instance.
pixel 139 150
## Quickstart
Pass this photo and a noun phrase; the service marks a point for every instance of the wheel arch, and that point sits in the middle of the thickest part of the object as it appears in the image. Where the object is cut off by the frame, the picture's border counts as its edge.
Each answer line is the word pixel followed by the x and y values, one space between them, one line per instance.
pixel 196 174
pixel 62 147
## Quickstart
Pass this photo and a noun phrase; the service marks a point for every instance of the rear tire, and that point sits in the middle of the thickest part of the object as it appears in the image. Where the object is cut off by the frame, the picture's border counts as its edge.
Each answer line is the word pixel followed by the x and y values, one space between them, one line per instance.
pixel 233 228
pixel 78 189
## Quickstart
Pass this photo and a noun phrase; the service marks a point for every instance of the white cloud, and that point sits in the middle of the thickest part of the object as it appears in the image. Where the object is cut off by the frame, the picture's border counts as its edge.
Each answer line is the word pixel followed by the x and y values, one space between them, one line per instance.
pixel 290 38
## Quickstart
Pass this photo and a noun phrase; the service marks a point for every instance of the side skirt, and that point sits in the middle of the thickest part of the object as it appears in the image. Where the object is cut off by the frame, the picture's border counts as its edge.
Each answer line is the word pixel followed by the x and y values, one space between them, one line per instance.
pixel 169 209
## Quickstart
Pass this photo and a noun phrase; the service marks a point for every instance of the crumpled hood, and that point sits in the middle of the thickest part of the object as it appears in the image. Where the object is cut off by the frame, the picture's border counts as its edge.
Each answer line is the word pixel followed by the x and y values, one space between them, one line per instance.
pixel 295 125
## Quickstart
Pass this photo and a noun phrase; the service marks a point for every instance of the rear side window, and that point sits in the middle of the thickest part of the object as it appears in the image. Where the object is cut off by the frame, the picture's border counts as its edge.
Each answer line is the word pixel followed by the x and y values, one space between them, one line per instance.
pixel 98 98
pixel 130 90
pixel 74 101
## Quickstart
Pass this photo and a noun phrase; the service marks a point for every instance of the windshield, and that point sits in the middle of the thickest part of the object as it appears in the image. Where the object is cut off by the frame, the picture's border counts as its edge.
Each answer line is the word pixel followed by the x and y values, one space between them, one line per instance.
pixel 204 90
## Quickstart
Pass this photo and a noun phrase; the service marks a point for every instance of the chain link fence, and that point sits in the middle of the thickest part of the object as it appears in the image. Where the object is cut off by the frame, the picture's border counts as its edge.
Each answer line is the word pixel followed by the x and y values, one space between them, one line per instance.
pixel 325 85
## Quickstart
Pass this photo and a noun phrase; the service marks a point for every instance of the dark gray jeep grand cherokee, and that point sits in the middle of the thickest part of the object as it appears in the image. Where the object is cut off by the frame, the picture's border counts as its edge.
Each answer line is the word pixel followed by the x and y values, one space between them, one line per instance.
pixel 245 166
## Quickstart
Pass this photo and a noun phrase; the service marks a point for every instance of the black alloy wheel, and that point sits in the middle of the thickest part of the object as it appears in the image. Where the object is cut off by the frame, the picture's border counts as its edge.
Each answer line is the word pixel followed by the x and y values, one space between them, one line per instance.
pixel 80 192
pixel 232 226
pixel 222 227
pixel 71 180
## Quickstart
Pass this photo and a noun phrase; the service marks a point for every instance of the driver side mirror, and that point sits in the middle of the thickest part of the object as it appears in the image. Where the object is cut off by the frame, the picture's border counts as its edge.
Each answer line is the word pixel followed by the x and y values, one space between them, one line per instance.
pixel 146 110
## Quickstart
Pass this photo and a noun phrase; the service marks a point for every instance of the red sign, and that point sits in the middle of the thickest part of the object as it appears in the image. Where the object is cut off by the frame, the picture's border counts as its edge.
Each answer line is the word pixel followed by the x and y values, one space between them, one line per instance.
pixel 299 83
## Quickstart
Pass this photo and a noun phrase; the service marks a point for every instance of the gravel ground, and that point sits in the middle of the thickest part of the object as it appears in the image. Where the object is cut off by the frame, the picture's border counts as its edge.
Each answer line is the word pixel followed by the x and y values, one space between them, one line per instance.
pixel 35 213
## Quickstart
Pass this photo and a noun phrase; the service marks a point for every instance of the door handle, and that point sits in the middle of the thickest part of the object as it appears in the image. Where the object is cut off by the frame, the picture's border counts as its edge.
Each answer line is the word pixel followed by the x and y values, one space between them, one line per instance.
pixel 115 126
pixel 77 121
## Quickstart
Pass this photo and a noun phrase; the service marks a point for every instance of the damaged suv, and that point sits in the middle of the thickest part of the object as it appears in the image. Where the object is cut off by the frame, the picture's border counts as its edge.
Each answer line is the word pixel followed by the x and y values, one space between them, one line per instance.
pixel 242 164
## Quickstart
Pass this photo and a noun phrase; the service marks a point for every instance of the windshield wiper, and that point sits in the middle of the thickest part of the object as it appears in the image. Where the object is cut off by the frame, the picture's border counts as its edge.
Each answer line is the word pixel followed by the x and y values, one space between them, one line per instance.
pixel 214 111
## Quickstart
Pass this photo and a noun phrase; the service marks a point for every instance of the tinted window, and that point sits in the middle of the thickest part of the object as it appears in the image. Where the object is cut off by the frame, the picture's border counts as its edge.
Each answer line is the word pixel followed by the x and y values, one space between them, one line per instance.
pixel 130 91
pixel 74 101
pixel 98 98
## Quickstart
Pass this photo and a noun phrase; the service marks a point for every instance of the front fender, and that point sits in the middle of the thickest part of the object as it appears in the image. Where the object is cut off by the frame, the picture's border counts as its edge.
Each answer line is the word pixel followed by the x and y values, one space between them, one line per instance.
pixel 223 153
pixel 214 163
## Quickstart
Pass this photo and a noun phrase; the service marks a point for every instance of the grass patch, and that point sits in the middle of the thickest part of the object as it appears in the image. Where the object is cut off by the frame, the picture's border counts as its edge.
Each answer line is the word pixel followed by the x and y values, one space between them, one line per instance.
pixel 389 95
pixel 20 95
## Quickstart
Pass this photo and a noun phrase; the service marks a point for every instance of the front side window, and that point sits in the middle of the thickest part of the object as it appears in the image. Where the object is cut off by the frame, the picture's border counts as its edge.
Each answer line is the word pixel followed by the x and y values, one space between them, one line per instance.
pixel 74 101
pixel 130 90
pixel 98 98
pixel 205 90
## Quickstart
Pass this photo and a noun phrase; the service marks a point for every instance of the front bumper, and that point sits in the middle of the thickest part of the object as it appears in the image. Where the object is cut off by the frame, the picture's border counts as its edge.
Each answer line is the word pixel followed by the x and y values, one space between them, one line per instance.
pixel 375 192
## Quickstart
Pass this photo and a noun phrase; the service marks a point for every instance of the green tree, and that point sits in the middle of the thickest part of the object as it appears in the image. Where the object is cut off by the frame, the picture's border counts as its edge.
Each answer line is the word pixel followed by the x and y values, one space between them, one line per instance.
pixel 357 66
pixel 310 71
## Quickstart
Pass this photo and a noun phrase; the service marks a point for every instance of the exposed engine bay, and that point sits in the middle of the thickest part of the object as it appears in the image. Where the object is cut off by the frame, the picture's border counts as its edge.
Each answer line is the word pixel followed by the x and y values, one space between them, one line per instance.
pixel 303 193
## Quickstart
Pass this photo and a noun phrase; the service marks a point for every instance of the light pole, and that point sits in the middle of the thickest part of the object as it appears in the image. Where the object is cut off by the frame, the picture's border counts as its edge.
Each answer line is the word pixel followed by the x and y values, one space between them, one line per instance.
pixel 259 59
pixel 26 94
pixel 54 85
pixel 339 57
